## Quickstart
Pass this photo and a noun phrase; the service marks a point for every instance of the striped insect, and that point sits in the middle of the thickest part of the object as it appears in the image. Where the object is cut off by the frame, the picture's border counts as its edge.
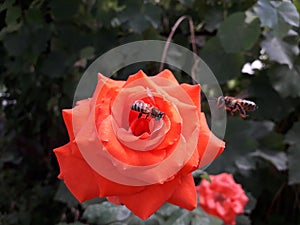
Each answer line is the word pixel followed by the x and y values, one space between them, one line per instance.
pixel 147 109
pixel 233 105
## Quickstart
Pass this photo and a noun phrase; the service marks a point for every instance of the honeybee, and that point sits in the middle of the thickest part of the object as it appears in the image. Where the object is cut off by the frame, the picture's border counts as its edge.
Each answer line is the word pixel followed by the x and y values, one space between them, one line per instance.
pixel 233 104
pixel 147 109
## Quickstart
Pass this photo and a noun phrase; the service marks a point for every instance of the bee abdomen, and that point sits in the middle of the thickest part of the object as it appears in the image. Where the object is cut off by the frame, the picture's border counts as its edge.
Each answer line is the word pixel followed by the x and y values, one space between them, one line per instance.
pixel 248 105
pixel 140 106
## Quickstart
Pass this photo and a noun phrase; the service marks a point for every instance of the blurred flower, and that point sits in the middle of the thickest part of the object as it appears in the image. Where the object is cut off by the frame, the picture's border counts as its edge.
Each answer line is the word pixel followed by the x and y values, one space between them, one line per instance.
pixel 137 161
pixel 222 197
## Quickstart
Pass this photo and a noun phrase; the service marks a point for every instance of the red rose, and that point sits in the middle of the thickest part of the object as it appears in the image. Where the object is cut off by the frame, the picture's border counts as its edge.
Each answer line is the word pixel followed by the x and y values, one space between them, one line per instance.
pixel 113 153
pixel 222 197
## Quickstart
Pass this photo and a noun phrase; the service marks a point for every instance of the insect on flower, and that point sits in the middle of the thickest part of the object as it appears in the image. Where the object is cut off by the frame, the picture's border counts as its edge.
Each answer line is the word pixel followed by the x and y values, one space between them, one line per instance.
pixel 233 104
pixel 147 109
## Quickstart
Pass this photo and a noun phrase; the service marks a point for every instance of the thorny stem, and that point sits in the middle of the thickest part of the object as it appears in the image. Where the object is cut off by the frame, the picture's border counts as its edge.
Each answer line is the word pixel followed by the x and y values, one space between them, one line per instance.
pixel 193 41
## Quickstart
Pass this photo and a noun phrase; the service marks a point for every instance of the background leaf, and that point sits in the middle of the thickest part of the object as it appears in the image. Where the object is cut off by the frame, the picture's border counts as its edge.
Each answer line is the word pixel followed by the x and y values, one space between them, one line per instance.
pixel 286 81
pixel 280 16
pixel 225 66
pixel 280 51
pixel 45 47
pixel 245 35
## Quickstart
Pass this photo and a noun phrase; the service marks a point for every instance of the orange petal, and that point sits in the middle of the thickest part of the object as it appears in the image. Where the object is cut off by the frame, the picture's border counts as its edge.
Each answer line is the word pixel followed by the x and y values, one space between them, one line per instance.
pixel 106 89
pixel 140 126
pixel 131 156
pixel 139 75
pixel 146 202
pixel 209 146
pixel 191 165
pixel 77 174
pixel 194 92
pixel 167 74
pixel 124 154
pixel 67 115
pixel 80 112
pixel 185 194
pixel 110 188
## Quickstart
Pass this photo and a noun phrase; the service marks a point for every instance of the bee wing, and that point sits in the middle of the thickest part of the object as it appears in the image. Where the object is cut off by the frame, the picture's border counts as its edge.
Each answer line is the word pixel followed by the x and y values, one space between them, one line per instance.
pixel 242 95
pixel 150 95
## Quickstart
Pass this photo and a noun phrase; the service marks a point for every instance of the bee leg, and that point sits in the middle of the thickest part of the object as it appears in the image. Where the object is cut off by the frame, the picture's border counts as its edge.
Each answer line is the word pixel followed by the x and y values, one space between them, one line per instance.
pixel 140 115
pixel 232 110
pixel 241 111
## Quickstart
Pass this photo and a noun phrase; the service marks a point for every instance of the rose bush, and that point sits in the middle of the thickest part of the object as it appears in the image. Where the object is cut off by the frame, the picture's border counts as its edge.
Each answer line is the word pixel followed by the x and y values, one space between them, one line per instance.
pixel 112 153
pixel 223 197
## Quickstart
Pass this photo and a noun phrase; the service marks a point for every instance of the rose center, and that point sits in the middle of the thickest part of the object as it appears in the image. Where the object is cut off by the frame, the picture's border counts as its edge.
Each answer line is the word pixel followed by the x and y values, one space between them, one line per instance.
pixel 140 127
pixel 219 197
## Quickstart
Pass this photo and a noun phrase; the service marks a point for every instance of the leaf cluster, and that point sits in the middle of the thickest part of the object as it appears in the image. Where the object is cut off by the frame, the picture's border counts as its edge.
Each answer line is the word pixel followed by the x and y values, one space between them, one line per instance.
pixel 45 46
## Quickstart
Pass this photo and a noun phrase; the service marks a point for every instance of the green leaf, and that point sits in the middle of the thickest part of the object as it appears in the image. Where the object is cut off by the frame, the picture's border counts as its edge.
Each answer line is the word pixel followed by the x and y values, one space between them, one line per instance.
pixel 213 19
pixel 188 3
pixel 199 216
pixel 241 140
pixel 167 210
pixel 133 221
pixel 281 29
pixel 64 10
pixel 292 137
pixel 6 4
pixel 286 81
pixel 280 16
pixel 12 15
pixel 75 223
pixel 34 16
pixel 273 141
pixel 293 163
pixel 277 159
pixel 53 65
pixel 138 23
pixel 225 66
pixel 178 215
pixel 105 213
pixel 289 13
pixel 280 51
pixel 153 14
pixel 270 104
pixel 64 195
pixel 134 16
pixel 184 218
pixel 87 53
pixel 236 35
pixel 243 220
pixel 250 206
pixel 267 13
pixel 16 43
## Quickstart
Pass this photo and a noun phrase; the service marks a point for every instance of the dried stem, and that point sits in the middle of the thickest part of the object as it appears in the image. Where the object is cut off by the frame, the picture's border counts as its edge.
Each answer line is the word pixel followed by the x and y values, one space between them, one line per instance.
pixel 193 41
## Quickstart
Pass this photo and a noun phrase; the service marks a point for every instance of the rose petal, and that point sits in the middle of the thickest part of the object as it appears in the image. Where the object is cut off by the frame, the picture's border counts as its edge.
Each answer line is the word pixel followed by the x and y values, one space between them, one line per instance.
pixel 194 91
pixel 150 204
pixel 81 111
pixel 227 200
pixel 73 169
pixel 155 132
pixel 77 175
pixel 123 153
pixel 209 146
pixel 185 194
pixel 167 75
pixel 106 87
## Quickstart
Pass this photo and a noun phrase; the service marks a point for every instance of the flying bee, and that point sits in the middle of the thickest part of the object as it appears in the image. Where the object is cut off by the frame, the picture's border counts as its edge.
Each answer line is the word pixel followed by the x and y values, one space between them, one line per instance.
pixel 147 109
pixel 233 104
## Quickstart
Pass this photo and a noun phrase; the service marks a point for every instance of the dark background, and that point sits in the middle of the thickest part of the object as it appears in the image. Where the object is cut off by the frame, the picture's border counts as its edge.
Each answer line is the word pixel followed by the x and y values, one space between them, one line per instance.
pixel 45 46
